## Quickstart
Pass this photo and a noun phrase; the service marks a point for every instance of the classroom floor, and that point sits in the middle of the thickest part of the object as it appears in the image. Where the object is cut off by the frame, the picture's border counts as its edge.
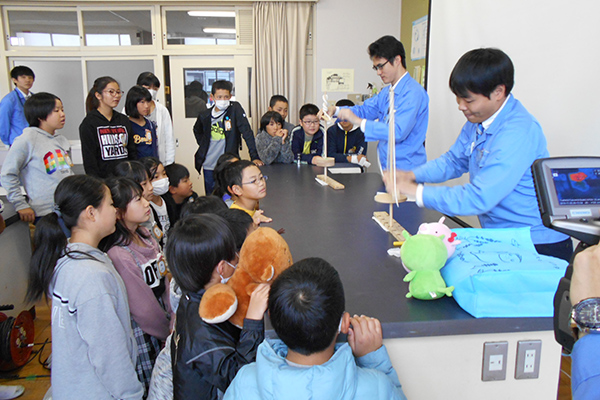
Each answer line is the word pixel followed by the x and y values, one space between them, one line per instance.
pixel 36 380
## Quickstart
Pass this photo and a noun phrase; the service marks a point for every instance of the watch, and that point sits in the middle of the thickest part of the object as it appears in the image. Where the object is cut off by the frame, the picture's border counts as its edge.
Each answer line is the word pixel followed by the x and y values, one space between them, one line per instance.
pixel 586 315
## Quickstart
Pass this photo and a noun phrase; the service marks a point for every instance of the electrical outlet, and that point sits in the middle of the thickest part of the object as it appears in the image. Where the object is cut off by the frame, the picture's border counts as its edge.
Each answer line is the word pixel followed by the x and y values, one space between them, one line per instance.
pixel 494 361
pixel 528 359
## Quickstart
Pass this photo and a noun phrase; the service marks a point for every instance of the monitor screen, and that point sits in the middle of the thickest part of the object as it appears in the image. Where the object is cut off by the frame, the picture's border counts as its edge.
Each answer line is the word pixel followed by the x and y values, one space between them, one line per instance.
pixel 577 186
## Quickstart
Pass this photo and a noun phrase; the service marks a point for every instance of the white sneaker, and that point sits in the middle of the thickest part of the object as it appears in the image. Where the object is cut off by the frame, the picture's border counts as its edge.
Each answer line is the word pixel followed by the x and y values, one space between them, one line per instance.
pixel 10 392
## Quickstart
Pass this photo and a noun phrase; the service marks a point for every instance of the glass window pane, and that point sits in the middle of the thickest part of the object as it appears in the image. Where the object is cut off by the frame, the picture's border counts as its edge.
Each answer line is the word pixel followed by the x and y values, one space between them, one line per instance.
pixel 43 28
pixel 117 28
pixel 198 84
pixel 201 27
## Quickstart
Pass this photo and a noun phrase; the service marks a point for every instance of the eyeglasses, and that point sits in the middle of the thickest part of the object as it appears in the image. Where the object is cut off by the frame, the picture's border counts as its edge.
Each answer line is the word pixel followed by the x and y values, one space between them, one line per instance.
pixel 310 122
pixel 379 67
pixel 257 180
pixel 114 93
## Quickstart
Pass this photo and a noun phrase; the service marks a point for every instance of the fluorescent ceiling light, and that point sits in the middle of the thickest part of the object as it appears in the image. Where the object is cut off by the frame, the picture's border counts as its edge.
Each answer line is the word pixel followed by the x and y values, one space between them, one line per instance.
pixel 225 14
pixel 219 30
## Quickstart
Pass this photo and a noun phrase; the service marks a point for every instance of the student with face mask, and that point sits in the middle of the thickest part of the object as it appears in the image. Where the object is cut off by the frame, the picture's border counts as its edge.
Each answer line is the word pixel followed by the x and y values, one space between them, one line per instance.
pixel 160 117
pixel 219 130
pixel 160 186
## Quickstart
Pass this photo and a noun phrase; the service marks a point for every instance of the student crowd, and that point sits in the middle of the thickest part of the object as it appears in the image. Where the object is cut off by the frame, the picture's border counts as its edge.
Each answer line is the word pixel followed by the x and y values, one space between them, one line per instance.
pixel 124 327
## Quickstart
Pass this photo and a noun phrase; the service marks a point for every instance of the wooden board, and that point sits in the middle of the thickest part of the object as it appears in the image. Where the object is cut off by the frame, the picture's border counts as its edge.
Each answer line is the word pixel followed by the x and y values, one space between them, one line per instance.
pixel 383 218
pixel 331 182
pixel 386 198
pixel 325 162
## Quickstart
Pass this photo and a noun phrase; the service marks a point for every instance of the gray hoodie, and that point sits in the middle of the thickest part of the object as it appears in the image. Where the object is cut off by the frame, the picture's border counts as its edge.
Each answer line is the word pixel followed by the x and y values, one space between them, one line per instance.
pixel 38 161
pixel 93 349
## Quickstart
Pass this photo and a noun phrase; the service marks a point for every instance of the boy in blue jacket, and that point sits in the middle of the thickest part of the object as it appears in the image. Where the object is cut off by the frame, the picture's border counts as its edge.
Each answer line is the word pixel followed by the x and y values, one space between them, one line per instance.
pixel 307 138
pixel 12 116
pixel 496 146
pixel 306 308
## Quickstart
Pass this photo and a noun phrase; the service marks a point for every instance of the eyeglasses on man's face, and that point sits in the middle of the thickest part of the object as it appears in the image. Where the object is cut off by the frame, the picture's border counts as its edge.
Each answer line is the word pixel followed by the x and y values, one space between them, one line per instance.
pixel 379 67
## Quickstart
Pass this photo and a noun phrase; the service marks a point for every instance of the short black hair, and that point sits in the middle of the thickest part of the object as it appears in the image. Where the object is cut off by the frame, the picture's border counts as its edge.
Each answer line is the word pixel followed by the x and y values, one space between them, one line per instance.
pixel 134 96
pixel 222 162
pixel 239 222
pixel 148 79
pixel 306 303
pixel 276 98
pixel 132 169
pixel 232 175
pixel 266 119
pixel 345 103
pixel 308 109
pixel 203 205
pixel 21 70
pixel 175 173
pixel 151 163
pixel 38 107
pixel 225 85
pixel 196 245
pixel 388 47
pixel 480 71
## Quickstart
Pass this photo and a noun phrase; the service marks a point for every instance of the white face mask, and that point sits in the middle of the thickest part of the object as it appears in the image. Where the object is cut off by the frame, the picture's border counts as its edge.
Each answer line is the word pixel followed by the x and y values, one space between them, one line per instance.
pixel 222 104
pixel 160 186
pixel 224 280
pixel 154 93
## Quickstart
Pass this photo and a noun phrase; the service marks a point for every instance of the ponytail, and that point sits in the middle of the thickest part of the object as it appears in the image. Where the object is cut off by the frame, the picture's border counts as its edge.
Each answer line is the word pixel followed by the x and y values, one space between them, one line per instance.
pixel 72 196
pixel 92 102
pixel 49 242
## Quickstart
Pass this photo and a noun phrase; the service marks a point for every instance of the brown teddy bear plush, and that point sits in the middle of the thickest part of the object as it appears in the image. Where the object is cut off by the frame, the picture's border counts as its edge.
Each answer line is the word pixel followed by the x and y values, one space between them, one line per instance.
pixel 263 257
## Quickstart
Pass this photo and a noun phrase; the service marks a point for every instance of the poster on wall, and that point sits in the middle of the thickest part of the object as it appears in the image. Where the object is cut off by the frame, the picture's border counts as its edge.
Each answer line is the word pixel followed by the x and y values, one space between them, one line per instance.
pixel 419 39
pixel 337 80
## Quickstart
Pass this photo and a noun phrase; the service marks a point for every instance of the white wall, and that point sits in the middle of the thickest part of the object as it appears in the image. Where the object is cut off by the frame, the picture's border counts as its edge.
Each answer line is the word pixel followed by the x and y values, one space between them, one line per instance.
pixel 554 47
pixel 344 30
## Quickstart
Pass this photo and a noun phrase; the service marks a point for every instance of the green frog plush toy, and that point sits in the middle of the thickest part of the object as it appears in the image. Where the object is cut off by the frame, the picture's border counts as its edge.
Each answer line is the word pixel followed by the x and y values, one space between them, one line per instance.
pixel 424 256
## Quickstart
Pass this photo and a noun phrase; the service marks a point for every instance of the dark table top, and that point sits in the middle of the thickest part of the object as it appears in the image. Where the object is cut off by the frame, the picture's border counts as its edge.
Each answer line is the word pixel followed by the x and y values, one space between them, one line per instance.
pixel 337 225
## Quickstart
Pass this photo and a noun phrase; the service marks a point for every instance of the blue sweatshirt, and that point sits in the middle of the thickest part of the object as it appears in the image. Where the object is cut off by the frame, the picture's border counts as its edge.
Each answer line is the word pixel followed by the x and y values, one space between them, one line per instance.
pixel 343 377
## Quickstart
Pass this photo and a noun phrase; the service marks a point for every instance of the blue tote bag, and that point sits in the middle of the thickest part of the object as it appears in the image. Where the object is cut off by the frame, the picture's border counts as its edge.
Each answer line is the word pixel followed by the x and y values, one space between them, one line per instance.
pixel 498 273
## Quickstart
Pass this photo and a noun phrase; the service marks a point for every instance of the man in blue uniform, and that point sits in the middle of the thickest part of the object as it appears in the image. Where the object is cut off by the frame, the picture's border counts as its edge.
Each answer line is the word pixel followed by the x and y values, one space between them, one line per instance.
pixel 411 108
pixel 496 146
pixel 12 116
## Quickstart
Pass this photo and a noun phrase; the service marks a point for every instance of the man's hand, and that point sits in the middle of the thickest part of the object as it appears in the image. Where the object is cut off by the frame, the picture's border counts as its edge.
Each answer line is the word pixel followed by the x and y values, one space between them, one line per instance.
pixel 346 114
pixel 405 182
pixel 585 282
pixel 258 163
pixel 27 215
pixel 258 302
pixel 330 112
pixel 365 335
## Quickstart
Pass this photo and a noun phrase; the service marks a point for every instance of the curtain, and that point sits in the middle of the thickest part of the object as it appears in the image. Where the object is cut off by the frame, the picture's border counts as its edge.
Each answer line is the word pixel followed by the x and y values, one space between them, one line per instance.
pixel 280 43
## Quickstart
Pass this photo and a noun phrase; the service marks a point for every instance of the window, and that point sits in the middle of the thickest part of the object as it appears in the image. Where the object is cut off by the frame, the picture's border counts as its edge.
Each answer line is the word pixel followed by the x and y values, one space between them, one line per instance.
pixel 43 28
pixel 203 27
pixel 117 28
pixel 198 85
